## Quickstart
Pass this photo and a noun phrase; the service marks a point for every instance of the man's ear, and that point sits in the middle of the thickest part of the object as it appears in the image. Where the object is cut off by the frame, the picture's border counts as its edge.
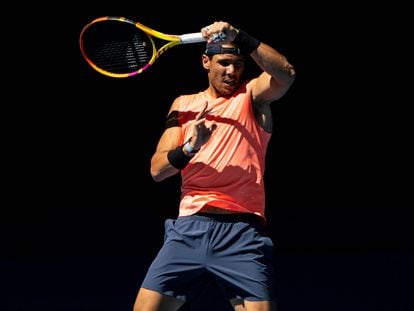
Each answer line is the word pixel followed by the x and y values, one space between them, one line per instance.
pixel 206 61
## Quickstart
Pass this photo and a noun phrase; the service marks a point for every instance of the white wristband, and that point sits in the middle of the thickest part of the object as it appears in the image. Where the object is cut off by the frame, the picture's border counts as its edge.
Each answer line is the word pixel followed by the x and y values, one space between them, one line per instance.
pixel 188 147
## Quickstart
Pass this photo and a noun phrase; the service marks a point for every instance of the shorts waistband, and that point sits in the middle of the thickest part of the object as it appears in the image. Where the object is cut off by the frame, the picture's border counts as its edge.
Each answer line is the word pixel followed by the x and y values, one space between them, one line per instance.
pixel 230 218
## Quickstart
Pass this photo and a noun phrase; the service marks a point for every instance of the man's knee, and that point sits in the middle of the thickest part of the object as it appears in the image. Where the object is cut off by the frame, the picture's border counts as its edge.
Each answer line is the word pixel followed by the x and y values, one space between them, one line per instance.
pixel 149 300
pixel 239 304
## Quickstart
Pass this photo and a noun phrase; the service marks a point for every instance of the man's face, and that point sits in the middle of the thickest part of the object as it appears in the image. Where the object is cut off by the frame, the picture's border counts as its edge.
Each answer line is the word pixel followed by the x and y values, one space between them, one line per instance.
pixel 224 72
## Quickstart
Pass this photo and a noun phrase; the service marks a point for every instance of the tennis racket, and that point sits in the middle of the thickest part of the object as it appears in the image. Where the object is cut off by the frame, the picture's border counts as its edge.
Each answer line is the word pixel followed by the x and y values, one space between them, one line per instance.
pixel 119 47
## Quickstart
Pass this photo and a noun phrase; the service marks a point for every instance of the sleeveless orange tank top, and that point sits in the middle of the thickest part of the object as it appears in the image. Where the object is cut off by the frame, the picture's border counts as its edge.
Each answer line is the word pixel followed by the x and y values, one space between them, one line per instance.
pixel 228 170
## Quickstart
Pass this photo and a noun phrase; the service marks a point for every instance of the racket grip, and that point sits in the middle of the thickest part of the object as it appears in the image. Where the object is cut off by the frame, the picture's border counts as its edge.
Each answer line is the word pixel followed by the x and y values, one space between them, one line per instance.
pixel 192 38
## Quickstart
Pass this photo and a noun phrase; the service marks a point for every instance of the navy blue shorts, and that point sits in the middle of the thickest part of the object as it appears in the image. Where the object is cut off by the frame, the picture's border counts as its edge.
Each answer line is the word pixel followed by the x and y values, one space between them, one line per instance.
pixel 231 252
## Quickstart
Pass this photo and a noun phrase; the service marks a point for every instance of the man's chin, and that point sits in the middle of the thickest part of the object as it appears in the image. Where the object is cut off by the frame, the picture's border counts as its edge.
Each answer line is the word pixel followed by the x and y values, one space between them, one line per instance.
pixel 228 89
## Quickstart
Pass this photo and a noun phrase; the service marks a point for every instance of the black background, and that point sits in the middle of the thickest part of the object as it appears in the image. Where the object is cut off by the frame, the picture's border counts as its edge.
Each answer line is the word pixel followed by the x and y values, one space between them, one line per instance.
pixel 84 217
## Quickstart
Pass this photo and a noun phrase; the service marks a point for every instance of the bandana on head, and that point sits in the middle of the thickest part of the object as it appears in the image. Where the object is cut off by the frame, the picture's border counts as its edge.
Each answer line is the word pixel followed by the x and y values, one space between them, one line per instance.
pixel 212 49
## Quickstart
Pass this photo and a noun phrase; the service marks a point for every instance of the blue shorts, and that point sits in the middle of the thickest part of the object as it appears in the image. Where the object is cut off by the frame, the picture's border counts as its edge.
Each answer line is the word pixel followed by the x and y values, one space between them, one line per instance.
pixel 229 251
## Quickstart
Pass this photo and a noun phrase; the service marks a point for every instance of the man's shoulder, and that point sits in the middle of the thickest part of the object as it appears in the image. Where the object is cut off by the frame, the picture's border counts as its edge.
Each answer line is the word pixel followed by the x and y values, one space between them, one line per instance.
pixel 190 95
pixel 188 98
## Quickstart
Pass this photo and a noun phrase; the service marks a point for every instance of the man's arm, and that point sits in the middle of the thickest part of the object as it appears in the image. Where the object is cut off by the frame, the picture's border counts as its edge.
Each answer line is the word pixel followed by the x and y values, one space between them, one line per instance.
pixel 277 77
pixel 171 154
pixel 278 74
pixel 161 168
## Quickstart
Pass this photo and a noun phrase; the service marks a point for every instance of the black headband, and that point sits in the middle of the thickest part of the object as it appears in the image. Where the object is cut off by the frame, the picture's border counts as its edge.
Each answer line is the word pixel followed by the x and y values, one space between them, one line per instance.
pixel 213 49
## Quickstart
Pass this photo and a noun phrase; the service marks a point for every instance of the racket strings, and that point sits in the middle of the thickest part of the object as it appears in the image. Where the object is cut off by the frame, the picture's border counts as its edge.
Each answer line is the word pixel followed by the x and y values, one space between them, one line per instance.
pixel 118 47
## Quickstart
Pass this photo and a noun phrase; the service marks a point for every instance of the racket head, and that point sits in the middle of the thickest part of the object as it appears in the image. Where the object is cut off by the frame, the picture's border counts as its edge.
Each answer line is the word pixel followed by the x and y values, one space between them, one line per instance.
pixel 119 47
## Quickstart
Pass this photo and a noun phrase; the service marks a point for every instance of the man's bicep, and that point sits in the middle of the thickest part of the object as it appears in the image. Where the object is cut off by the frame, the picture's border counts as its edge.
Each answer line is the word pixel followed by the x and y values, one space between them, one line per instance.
pixel 267 89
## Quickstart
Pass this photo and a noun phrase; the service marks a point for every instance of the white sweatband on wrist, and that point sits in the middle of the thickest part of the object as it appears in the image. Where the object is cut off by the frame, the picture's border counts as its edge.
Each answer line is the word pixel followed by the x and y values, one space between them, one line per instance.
pixel 188 147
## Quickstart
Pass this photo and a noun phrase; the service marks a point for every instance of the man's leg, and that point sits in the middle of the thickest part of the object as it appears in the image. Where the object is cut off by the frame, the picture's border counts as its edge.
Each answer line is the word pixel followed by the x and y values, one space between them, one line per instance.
pixel 149 300
pixel 243 305
pixel 238 304
pixel 259 306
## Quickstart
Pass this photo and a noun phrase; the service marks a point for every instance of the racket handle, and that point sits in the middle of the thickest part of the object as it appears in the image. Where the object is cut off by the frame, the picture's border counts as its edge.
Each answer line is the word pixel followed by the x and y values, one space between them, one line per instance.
pixel 192 38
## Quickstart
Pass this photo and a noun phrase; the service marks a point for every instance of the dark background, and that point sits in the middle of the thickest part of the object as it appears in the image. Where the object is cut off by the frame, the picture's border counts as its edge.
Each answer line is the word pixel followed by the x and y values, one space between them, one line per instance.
pixel 84 218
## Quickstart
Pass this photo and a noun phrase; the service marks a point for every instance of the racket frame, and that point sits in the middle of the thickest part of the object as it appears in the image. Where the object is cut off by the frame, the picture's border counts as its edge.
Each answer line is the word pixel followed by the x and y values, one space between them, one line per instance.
pixel 172 40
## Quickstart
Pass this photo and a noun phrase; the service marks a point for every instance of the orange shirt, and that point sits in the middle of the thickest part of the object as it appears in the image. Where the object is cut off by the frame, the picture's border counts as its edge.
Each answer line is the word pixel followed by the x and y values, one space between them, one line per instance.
pixel 228 170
